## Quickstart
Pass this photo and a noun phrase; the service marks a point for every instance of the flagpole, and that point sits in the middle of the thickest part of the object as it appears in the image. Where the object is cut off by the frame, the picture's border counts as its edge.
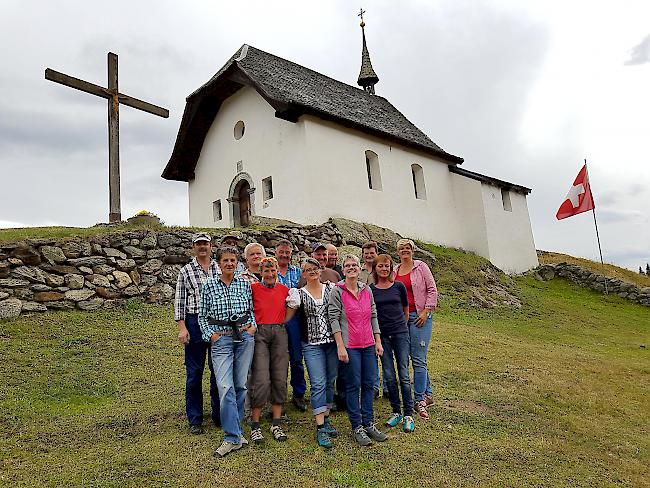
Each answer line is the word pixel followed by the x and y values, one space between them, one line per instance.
pixel 600 251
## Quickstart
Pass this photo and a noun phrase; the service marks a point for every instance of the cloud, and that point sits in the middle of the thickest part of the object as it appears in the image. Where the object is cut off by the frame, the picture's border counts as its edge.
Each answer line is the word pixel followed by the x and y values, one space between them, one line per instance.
pixel 640 53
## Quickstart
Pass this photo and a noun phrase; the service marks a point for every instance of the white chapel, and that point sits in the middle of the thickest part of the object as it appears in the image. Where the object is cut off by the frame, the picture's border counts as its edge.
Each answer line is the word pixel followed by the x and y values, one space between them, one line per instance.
pixel 268 137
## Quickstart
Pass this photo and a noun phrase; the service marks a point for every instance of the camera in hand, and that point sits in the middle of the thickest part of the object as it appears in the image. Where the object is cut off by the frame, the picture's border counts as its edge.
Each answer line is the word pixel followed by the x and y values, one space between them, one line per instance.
pixel 234 321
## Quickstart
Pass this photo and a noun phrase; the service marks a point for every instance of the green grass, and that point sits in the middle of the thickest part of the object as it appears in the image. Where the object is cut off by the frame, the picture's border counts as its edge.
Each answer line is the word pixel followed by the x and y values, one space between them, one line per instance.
pixel 23 233
pixel 552 394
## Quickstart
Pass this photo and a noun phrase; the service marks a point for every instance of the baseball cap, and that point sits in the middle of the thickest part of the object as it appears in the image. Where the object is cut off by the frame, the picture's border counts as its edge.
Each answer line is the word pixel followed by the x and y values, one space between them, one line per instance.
pixel 201 236
pixel 230 236
pixel 317 245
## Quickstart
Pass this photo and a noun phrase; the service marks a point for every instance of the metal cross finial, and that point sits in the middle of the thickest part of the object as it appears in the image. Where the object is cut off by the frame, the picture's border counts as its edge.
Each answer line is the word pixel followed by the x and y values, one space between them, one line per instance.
pixel 360 14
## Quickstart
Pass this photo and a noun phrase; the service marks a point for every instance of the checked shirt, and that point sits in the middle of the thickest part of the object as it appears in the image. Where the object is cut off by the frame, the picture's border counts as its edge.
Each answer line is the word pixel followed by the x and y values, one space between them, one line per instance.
pixel 219 301
pixel 291 279
pixel 191 279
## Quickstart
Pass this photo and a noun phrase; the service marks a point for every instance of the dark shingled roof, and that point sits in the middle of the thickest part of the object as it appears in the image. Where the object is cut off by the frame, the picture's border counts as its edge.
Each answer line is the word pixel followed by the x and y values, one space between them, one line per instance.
pixel 506 185
pixel 292 90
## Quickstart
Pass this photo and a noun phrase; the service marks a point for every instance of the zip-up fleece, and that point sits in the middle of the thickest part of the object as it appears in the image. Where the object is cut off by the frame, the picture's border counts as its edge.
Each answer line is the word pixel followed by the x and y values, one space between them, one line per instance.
pixel 355 318
pixel 424 287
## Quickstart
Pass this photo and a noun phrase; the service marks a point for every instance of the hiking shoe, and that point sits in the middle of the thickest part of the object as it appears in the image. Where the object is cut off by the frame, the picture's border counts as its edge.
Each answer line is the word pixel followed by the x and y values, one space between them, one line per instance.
pixel 196 429
pixel 394 420
pixel 428 400
pixel 323 439
pixel 360 436
pixel 421 409
pixel 226 448
pixel 256 435
pixel 278 435
pixel 299 403
pixel 409 424
pixel 329 428
pixel 375 434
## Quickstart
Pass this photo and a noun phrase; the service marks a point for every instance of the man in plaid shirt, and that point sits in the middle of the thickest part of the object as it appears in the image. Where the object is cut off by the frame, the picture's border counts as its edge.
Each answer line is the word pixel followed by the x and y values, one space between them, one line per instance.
pixel 191 279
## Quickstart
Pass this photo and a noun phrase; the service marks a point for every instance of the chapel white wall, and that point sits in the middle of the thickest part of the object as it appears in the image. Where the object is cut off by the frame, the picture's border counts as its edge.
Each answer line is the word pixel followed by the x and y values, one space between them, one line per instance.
pixel 509 233
pixel 270 147
pixel 337 155
pixel 319 171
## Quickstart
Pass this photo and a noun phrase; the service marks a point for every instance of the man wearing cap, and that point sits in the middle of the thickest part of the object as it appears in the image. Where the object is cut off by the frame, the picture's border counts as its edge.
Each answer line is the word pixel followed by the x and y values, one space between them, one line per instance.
pixel 231 240
pixel 191 279
pixel 319 253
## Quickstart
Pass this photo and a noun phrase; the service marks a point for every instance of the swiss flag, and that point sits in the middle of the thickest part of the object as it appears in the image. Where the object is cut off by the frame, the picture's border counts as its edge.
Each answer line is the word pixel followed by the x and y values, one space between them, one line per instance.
pixel 579 199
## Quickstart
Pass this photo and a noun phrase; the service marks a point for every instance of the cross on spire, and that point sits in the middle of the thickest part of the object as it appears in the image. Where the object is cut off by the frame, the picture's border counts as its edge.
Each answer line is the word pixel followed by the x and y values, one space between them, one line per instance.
pixel 367 76
pixel 114 99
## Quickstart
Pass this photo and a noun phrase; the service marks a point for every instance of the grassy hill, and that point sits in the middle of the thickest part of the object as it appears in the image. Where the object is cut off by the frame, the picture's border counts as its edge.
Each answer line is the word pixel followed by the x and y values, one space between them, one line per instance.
pixel 553 393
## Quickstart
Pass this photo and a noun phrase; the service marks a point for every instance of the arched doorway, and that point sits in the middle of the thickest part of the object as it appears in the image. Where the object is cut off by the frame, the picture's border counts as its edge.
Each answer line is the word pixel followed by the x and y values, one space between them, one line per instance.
pixel 241 199
pixel 244 203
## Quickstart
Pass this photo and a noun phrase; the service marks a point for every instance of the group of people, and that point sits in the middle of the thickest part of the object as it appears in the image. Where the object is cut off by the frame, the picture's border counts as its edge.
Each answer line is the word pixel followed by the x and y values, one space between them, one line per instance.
pixel 256 320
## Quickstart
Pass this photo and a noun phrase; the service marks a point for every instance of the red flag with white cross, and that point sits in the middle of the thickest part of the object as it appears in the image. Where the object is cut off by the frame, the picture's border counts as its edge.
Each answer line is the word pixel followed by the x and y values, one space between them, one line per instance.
pixel 579 199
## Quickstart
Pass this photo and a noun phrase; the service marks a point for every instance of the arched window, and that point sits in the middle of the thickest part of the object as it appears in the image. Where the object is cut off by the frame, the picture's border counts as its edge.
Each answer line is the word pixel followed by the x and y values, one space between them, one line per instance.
pixel 418 182
pixel 372 169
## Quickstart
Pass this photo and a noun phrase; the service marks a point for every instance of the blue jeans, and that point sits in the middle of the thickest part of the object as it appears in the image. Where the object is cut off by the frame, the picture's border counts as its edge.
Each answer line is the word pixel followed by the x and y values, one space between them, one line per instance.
pixel 420 338
pixel 195 353
pixel 298 384
pixel 322 365
pixel 231 362
pixel 397 346
pixel 360 373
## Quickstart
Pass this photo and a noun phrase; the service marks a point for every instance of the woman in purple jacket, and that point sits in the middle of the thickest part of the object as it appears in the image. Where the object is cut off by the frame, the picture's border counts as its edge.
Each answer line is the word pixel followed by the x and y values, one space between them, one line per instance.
pixel 422 299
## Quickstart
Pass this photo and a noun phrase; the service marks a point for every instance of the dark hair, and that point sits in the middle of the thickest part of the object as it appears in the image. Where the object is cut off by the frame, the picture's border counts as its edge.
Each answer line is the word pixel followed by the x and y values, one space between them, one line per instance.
pixel 284 243
pixel 227 250
pixel 381 259
pixel 368 245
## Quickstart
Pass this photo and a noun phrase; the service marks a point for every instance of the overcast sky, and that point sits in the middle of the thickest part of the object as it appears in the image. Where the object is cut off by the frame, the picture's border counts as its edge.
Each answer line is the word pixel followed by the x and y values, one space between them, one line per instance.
pixel 523 91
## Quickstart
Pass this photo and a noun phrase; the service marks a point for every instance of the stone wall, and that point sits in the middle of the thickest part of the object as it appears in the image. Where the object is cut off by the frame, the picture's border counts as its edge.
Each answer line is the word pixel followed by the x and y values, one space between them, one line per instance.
pixel 103 271
pixel 589 279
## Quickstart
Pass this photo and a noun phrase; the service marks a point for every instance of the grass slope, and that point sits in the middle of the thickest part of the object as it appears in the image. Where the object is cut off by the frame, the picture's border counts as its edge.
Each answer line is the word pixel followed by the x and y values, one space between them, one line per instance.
pixel 552 394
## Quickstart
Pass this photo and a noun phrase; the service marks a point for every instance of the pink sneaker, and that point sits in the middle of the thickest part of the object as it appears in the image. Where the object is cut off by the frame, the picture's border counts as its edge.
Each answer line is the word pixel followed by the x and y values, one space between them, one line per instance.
pixel 421 409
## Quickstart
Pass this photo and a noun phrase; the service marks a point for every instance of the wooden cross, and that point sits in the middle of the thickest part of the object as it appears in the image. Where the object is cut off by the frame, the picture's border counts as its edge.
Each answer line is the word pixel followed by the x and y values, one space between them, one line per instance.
pixel 114 99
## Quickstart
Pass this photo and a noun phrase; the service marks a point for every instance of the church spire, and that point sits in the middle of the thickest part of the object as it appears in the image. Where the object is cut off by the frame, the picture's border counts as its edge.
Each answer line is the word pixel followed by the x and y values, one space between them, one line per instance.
pixel 367 76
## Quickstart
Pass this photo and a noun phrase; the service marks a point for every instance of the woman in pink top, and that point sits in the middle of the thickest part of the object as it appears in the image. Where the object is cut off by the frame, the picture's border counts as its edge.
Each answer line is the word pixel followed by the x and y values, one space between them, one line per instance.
pixel 353 317
pixel 423 299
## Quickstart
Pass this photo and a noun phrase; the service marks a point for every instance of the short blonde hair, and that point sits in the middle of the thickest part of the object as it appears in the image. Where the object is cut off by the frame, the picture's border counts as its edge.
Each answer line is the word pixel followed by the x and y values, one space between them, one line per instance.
pixel 352 257
pixel 401 242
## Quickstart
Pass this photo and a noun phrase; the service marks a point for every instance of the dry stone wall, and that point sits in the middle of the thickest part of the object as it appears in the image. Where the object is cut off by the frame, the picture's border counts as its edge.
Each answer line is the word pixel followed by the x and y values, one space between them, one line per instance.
pixel 103 271
pixel 595 281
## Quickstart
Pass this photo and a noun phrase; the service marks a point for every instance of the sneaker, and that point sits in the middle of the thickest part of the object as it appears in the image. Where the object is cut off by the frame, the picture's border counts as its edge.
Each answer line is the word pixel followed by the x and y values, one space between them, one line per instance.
pixel 243 441
pixel 394 420
pixel 428 400
pixel 299 403
pixel 329 428
pixel 421 409
pixel 360 436
pixel 375 434
pixel 278 435
pixel 196 429
pixel 256 435
pixel 323 439
pixel 409 424
pixel 226 448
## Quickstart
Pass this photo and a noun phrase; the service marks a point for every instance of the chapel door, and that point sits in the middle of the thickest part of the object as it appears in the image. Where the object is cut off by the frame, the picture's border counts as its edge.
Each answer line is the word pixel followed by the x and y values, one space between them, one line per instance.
pixel 244 204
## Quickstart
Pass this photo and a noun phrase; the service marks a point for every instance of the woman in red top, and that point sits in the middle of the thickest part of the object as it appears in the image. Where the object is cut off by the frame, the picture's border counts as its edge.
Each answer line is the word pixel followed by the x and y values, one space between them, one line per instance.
pixel 422 297
pixel 268 381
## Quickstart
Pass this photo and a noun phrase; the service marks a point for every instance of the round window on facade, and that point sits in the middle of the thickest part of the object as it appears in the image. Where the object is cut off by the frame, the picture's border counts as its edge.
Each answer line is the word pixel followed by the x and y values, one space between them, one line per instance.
pixel 239 129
